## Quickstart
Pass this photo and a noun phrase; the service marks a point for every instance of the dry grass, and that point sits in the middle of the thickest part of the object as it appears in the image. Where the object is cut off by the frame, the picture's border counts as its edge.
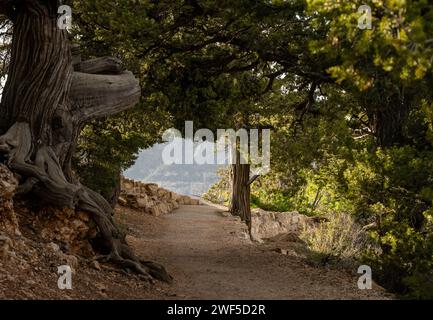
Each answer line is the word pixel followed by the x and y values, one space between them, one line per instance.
pixel 340 239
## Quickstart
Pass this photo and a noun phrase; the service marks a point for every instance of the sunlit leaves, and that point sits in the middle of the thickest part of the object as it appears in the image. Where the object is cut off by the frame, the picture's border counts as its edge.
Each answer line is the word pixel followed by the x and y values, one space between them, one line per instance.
pixel 396 44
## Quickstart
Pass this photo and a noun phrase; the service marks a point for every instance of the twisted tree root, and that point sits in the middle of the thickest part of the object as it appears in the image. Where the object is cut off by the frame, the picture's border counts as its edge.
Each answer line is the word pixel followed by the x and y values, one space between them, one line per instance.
pixel 44 177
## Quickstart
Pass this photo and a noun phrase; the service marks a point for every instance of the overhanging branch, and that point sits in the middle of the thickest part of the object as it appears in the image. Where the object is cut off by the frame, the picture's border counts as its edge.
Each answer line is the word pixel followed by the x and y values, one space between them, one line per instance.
pixel 98 95
pixel 105 65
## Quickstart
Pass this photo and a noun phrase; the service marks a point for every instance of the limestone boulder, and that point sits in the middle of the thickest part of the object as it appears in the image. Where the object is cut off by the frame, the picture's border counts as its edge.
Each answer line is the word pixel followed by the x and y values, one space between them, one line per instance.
pixel 150 198
pixel 270 224
pixel 8 186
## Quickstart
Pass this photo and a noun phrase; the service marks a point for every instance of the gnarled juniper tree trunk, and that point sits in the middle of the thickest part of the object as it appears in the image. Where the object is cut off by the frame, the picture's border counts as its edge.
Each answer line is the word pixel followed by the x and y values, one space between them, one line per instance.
pixel 46 101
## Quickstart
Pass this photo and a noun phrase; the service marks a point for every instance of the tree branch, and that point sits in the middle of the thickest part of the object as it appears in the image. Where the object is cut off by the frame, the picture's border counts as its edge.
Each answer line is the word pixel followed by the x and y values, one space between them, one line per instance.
pixel 105 65
pixel 98 96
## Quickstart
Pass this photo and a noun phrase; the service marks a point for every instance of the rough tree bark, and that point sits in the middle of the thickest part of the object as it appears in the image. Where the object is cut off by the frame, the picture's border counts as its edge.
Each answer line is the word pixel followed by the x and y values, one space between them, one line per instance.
pixel 388 123
pixel 388 114
pixel 44 106
pixel 114 197
pixel 241 191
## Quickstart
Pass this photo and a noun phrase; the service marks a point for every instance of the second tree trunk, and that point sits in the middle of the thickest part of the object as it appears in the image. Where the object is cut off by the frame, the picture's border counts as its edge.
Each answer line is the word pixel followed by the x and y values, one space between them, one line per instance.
pixel 241 191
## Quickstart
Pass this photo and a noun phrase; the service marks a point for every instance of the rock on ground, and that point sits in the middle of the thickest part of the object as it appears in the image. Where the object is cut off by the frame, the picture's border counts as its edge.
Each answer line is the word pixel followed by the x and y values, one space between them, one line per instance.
pixel 267 224
pixel 8 186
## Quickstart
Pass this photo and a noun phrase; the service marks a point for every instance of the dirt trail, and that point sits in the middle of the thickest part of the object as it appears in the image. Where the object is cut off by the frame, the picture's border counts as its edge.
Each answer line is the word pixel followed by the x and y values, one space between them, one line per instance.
pixel 211 258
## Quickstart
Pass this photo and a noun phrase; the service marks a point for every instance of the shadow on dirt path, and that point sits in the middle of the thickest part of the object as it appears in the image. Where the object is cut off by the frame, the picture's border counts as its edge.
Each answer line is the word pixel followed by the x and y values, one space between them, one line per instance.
pixel 211 257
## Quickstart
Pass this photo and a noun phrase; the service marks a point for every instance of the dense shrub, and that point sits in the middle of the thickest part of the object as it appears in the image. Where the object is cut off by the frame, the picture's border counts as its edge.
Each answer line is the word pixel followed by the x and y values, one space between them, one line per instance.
pixel 355 183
